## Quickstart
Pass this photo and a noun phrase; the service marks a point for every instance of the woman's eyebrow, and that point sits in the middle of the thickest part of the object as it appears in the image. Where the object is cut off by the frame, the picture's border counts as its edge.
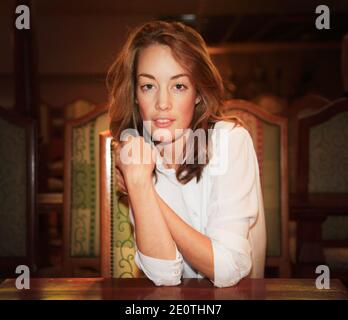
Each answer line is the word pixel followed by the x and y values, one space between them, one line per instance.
pixel 179 76
pixel 173 77
pixel 146 75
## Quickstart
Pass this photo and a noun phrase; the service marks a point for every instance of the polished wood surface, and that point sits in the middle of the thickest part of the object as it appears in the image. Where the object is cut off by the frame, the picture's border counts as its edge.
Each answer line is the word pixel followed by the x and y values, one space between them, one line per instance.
pixel 189 289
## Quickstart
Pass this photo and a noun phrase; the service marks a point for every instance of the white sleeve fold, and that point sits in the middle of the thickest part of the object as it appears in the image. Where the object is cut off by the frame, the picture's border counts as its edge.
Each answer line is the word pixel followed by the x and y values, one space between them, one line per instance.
pixel 161 272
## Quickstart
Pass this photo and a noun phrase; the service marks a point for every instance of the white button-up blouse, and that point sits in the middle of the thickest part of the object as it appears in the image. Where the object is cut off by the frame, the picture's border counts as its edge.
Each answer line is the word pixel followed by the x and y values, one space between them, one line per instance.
pixel 226 205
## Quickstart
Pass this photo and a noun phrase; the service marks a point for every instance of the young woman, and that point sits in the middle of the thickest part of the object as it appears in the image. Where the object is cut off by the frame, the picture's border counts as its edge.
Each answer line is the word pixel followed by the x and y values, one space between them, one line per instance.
pixel 192 219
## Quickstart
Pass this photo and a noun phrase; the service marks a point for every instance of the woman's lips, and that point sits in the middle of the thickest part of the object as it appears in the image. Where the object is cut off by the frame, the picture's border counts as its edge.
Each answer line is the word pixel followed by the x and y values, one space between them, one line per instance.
pixel 163 122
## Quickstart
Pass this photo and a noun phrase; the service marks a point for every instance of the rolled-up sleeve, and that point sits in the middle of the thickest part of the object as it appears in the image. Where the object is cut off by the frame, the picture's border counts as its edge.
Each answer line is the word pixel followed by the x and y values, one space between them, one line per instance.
pixel 233 209
pixel 161 272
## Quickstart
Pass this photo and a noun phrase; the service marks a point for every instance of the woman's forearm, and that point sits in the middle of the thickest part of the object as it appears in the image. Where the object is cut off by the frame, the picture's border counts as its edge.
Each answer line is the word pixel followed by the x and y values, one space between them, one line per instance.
pixel 152 233
pixel 193 245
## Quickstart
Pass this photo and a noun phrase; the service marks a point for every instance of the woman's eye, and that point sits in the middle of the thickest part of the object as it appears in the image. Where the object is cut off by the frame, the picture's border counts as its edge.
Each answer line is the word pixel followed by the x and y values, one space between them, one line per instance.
pixel 146 87
pixel 180 87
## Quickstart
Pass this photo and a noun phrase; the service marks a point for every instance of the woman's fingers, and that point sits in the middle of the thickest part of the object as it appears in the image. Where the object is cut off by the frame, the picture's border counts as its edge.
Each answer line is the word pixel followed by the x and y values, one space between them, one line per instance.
pixel 118 145
pixel 117 150
pixel 120 181
pixel 122 189
pixel 135 160
pixel 121 184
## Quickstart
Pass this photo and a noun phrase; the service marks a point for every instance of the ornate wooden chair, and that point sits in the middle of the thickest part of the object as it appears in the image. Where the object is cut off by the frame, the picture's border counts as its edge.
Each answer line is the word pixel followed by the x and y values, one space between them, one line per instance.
pixel 320 206
pixel 270 137
pixel 18 227
pixel 117 241
pixel 81 193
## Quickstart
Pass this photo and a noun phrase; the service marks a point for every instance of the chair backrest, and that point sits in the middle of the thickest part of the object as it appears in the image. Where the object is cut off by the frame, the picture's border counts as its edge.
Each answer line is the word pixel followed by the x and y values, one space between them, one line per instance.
pixel 117 241
pixel 300 107
pixel 81 190
pixel 322 161
pixel 18 231
pixel 269 135
pixel 78 108
pixel 323 150
pixel 271 103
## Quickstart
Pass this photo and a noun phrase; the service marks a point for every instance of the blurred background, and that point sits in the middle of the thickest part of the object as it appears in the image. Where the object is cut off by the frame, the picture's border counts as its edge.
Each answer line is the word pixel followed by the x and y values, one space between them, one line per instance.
pixel 53 101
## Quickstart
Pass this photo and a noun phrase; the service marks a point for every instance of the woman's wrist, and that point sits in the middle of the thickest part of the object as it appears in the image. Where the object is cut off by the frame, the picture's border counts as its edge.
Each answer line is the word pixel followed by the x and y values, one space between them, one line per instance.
pixel 138 182
pixel 139 190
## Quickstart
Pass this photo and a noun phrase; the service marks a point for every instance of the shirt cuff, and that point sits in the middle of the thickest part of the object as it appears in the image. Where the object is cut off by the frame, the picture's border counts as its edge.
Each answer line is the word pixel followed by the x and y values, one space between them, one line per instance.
pixel 161 272
pixel 229 266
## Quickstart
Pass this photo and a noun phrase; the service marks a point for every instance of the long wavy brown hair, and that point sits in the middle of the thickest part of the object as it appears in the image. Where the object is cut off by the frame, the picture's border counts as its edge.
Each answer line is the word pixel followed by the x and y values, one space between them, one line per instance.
pixel 190 50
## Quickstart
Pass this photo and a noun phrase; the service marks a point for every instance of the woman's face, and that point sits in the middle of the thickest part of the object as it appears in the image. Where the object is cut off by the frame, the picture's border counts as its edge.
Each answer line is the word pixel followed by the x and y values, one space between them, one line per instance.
pixel 164 92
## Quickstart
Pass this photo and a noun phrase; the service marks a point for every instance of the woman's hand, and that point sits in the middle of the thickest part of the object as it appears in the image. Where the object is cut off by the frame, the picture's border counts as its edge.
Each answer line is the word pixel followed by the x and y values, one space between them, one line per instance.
pixel 135 161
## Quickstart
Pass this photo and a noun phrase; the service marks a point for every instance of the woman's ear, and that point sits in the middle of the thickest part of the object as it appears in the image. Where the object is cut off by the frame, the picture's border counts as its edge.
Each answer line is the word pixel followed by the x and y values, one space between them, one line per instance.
pixel 136 100
pixel 198 100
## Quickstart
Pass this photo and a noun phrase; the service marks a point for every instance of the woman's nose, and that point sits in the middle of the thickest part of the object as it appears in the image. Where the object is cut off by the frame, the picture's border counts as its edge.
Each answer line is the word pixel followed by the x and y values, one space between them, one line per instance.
pixel 163 100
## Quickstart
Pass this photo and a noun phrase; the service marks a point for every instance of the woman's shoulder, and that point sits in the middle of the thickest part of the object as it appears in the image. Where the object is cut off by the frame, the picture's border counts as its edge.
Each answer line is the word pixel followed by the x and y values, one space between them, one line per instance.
pixel 229 142
pixel 231 129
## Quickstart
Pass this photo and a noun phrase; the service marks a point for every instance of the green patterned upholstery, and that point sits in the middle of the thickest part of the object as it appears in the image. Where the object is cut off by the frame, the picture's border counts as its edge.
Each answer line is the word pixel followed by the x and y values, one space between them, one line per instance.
pixel 85 211
pixel 13 190
pixel 328 156
pixel 266 139
pixel 122 239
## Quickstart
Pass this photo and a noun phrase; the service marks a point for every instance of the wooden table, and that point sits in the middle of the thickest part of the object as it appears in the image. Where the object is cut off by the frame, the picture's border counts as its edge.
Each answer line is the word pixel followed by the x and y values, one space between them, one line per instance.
pixel 189 289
